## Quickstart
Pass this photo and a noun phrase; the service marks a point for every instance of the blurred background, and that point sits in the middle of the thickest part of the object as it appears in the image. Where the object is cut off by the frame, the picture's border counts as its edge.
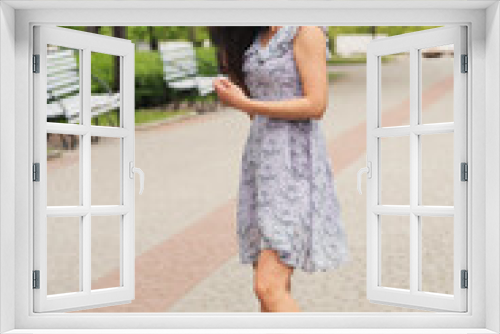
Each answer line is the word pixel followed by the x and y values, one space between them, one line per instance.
pixel 190 148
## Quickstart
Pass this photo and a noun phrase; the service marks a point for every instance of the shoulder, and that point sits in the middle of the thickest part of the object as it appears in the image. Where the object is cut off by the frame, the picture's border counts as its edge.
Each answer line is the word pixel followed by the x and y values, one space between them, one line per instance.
pixel 305 32
pixel 308 37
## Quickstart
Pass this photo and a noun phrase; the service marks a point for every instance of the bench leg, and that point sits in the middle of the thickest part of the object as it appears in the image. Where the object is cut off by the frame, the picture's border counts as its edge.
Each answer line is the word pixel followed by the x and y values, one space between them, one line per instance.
pixel 177 104
pixel 200 107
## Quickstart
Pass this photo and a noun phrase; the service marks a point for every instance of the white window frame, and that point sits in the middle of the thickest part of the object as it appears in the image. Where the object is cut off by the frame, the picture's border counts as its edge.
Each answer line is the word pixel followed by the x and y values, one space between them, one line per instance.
pixel 483 314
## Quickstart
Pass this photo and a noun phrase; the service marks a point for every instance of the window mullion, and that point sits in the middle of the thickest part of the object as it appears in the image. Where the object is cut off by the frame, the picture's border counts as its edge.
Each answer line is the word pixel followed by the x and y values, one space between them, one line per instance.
pixel 414 171
pixel 85 256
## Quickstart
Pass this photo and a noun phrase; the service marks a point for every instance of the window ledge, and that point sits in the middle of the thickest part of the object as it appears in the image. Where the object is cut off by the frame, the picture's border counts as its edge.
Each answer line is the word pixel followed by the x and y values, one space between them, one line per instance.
pixel 257 331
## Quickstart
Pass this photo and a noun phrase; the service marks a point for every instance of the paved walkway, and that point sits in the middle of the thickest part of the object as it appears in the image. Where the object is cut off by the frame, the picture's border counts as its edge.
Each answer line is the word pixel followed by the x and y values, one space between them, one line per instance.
pixel 186 247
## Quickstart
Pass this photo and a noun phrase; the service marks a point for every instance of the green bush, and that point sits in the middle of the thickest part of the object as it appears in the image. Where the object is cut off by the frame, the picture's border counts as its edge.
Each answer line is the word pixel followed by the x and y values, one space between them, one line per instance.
pixel 150 87
pixel 207 61
pixel 101 67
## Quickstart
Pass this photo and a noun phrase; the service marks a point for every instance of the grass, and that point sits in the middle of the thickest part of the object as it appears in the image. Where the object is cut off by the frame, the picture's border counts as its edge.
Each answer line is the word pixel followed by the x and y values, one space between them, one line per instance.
pixel 51 150
pixel 335 75
pixel 147 116
pixel 141 116
pixel 338 60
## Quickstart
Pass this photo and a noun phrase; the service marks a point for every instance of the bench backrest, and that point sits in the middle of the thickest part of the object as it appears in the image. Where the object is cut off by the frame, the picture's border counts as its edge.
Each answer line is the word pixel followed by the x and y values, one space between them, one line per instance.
pixel 63 77
pixel 179 60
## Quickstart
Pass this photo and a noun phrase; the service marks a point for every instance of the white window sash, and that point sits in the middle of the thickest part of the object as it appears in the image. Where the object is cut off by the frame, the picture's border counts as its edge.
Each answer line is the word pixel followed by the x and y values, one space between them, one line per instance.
pixel 86 298
pixel 412 43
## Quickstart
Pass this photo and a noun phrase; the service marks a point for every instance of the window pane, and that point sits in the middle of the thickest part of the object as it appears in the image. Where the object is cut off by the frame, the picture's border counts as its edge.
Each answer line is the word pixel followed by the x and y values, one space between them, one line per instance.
pixel 437 84
pixel 395 170
pixel 63 169
pixel 63 255
pixel 106 171
pixel 437 169
pixel 395 251
pixel 105 100
pixel 106 245
pixel 395 89
pixel 63 84
pixel 437 254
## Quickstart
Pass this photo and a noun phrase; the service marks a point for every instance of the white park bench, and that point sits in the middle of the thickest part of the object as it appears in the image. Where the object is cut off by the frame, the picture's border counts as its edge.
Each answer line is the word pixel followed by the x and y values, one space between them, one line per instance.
pixel 63 89
pixel 181 70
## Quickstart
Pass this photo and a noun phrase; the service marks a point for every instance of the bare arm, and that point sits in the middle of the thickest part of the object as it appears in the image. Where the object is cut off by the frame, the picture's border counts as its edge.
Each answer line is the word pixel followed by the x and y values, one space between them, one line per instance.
pixel 310 56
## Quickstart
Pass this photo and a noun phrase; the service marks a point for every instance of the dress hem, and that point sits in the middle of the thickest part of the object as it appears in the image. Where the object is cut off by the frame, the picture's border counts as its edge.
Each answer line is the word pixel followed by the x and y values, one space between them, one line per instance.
pixel 339 260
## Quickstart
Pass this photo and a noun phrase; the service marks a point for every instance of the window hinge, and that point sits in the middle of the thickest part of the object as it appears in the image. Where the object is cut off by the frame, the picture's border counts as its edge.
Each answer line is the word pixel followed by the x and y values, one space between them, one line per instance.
pixel 465 173
pixel 465 64
pixel 465 280
pixel 36 63
pixel 36 279
pixel 36 172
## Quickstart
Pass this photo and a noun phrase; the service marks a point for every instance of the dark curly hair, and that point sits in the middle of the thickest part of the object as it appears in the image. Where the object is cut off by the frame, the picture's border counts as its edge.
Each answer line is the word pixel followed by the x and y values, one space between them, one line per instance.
pixel 231 42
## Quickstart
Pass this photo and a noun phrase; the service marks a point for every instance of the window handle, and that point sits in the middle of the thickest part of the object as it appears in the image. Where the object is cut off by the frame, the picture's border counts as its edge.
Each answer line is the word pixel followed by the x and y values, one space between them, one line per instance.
pixel 133 170
pixel 367 170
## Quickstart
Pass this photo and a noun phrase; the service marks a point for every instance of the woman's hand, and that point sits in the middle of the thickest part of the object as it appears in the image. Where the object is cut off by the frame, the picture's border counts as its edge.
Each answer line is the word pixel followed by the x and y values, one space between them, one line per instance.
pixel 230 94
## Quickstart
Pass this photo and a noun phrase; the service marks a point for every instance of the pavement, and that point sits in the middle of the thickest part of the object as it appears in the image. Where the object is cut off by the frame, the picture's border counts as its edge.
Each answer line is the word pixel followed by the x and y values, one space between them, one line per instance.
pixel 186 250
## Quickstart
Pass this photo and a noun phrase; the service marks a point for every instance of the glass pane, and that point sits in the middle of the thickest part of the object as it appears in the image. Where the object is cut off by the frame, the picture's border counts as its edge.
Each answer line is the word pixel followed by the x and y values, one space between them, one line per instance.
pixel 63 169
pixel 63 84
pixel 63 255
pixel 395 170
pixel 106 246
pixel 437 169
pixel 437 84
pixel 106 171
pixel 105 100
pixel 437 254
pixel 395 251
pixel 395 89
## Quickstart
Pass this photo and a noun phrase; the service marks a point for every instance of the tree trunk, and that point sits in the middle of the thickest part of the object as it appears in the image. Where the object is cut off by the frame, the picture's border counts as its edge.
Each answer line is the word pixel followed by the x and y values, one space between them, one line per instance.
pixel 119 32
pixel 192 35
pixel 153 41
pixel 333 41
pixel 93 29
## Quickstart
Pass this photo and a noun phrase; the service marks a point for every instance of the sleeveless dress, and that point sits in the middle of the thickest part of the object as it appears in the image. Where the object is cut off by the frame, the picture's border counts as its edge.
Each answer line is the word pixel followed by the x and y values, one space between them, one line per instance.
pixel 287 198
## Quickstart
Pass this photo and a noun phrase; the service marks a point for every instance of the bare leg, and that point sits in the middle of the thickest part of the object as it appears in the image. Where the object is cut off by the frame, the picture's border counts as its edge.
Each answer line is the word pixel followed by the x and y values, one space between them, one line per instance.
pixel 272 283
pixel 263 307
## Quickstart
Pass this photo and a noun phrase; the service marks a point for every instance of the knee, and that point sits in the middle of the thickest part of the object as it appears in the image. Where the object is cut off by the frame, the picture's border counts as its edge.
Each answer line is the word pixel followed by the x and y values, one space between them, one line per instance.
pixel 268 288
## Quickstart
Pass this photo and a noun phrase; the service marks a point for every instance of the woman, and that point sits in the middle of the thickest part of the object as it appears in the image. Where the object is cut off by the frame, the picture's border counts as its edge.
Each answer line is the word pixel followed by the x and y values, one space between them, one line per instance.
pixel 288 211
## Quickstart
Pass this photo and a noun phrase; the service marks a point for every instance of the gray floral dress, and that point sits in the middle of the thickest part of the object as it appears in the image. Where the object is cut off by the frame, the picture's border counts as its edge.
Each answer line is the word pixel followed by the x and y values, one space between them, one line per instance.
pixel 287 197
